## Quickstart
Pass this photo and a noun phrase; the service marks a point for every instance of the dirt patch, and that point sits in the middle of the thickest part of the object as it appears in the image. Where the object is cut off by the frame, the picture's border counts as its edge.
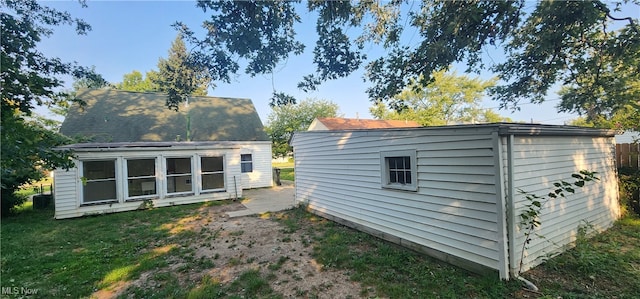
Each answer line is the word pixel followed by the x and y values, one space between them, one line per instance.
pixel 232 246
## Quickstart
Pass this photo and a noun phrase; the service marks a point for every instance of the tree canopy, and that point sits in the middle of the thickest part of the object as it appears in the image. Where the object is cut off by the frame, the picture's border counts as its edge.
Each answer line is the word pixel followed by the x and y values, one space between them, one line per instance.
pixel 29 79
pixel 448 99
pixel 136 81
pixel 585 46
pixel 175 76
pixel 286 119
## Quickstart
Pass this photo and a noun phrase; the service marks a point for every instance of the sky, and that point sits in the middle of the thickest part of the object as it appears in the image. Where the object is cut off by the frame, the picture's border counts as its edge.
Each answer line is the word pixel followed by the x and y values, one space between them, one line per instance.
pixel 133 35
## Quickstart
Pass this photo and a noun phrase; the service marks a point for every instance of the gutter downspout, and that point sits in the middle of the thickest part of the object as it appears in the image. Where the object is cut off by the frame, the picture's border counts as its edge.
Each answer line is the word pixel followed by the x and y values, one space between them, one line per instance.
pixel 511 221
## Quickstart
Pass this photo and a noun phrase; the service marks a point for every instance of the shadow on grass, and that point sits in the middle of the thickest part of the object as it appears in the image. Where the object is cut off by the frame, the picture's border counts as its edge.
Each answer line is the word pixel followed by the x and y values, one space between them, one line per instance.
pixel 97 255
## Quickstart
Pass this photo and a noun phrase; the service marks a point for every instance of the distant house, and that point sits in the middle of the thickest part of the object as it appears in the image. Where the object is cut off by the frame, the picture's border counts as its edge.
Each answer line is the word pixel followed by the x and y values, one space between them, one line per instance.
pixel 453 191
pixel 137 150
pixel 337 123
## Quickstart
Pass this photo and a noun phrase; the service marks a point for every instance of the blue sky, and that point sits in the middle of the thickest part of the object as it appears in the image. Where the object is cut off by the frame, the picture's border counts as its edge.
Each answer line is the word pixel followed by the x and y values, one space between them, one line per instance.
pixel 132 35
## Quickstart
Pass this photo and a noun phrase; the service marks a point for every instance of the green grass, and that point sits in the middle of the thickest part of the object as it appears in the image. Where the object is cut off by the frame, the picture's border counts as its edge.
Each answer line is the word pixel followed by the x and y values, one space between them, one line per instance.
pixel 605 266
pixel 75 258
pixel 289 164
pixel 286 174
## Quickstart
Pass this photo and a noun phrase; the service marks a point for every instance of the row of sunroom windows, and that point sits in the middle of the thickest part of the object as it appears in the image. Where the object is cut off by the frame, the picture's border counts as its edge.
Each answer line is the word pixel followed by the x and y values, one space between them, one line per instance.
pixel 142 180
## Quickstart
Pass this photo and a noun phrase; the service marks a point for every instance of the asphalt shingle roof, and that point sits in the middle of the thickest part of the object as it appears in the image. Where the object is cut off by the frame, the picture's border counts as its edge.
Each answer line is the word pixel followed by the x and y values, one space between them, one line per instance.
pixel 121 116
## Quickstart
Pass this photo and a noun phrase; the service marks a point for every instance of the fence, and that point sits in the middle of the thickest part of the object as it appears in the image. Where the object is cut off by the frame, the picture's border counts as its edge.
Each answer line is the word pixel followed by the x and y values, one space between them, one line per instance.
pixel 627 155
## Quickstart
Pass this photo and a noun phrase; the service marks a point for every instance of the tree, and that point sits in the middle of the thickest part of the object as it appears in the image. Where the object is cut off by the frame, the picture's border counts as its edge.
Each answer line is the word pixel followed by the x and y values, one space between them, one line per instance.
pixel 29 78
pixel 448 99
pixel 135 81
pixel 582 45
pixel 178 77
pixel 284 120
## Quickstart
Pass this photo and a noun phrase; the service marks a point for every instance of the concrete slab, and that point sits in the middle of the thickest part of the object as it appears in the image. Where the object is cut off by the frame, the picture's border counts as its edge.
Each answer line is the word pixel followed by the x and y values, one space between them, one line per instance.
pixel 274 199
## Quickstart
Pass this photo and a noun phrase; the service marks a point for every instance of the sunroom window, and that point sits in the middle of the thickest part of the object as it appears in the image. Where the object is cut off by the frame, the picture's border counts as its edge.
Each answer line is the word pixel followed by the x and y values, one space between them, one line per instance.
pixel 179 178
pixel 99 181
pixel 141 177
pixel 212 169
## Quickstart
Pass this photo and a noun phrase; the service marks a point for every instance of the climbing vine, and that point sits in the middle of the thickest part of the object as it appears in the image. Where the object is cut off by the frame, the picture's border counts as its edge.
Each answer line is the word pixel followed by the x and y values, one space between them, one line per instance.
pixel 530 216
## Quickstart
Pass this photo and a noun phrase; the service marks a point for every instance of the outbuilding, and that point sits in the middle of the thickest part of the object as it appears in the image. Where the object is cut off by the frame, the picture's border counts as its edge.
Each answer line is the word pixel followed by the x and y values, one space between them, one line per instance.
pixel 137 152
pixel 455 192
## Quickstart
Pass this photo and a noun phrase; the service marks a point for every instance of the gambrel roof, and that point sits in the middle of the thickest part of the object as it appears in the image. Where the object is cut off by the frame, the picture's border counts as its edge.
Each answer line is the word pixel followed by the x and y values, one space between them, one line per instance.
pixel 121 116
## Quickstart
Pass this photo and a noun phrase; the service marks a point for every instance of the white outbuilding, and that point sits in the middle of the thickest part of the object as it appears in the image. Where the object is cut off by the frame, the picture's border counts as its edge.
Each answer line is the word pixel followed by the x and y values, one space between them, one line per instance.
pixel 453 192
pixel 138 152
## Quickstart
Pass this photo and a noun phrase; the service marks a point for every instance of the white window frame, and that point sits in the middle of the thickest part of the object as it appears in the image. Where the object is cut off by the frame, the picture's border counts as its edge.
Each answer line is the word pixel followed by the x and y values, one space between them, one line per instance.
pixel 85 181
pixel 384 170
pixel 242 163
pixel 127 178
pixel 202 173
pixel 166 175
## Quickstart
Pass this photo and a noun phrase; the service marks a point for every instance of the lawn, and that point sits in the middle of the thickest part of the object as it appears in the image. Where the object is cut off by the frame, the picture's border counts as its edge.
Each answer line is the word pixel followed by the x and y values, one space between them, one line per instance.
pixel 155 254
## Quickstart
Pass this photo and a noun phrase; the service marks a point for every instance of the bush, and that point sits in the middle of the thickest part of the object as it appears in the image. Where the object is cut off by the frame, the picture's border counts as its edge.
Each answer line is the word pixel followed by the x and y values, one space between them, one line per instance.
pixel 630 189
pixel 10 201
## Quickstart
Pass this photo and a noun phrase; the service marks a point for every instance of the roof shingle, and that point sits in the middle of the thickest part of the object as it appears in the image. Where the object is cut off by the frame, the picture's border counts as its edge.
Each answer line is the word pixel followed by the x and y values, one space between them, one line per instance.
pixel 121 116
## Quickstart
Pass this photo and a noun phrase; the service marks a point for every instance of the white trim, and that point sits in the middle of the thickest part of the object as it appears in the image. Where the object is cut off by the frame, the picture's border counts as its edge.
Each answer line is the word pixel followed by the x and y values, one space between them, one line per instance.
pixel 125 172
pixel 81 175
pixel 201 173
pixel 384 170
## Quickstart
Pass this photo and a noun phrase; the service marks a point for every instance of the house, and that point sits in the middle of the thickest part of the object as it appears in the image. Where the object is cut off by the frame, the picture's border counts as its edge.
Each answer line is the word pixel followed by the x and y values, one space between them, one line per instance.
pixel 337 123
pixel 453 192
pixel 139 152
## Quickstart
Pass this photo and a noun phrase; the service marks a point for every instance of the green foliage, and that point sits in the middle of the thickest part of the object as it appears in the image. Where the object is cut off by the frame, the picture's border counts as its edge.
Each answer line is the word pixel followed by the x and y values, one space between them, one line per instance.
pixel 629 180
pixel 599 266
pixel 178 77
pixel 135 81
pixel 530 216
pixel 584 46
pixel 284 120
pixel 448 99
pixel 29 78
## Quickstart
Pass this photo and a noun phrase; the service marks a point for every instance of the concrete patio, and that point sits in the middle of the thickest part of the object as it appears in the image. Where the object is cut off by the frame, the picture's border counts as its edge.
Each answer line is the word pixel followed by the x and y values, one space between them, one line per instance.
pixel 258 201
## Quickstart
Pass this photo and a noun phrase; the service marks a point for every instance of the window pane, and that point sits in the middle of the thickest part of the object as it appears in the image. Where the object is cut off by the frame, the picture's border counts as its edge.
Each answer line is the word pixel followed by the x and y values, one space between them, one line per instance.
pixel 138 187
pixel 212 164
pixel 96 170
pixel 212 181
pixel 407 163
pixel 408 177
pixel 178 165
pixel 180 183
pixel 246 167
pixel 245 157
pixel 142 167
pixel 97 191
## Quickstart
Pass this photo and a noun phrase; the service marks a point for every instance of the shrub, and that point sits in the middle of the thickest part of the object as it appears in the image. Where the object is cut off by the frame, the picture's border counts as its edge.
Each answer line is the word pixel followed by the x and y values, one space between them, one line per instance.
pixel 10 201
pixel 630 189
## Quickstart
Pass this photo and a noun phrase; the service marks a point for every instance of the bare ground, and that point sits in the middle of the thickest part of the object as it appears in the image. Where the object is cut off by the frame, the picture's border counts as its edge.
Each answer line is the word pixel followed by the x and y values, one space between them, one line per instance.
pixel 237 245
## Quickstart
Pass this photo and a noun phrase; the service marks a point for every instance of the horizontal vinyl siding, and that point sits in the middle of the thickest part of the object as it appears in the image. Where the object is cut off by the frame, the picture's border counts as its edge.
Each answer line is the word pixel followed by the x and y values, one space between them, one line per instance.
pixel 541 161
pixel 65 192
pixel 453 210
pixel 262 175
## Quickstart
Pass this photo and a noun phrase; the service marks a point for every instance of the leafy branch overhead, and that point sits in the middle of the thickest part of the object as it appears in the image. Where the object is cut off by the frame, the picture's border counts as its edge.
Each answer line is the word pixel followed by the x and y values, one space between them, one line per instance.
pixel 586 47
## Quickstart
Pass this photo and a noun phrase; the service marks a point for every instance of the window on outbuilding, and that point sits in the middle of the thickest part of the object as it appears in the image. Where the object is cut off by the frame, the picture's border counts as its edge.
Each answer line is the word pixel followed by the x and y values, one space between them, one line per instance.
pixel 399 170
pixel 141 177
pixel 99 181
pixel 179 178
pixel 212 169
pixel 246 163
